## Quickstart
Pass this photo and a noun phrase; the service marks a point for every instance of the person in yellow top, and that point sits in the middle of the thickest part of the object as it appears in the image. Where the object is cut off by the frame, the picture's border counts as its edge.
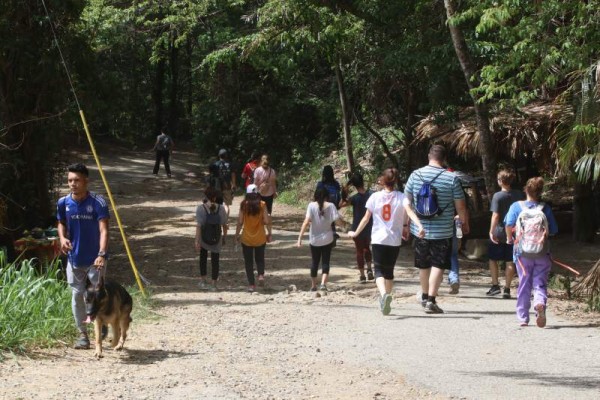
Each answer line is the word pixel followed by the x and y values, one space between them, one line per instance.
pixel 253 217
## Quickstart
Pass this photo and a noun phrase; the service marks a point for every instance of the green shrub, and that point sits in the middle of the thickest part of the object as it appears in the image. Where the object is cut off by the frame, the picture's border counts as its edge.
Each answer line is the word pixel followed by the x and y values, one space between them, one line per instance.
pixel 35 307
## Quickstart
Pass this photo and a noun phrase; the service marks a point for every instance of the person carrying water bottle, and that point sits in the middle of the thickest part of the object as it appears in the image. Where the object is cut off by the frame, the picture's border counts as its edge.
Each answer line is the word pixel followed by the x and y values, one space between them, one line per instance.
pixel 436 196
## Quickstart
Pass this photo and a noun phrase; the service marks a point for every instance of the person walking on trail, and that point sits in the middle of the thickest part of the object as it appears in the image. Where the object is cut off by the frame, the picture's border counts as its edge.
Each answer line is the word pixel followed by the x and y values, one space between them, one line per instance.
pixel 265 180
pixel 362 242
pixel 454 271
pixel 333 187
pixel 222 178
pixel 250 167
pixel 498 249
pixel 320 214
pixel 164 148
pixel 253 218
pixel 436 196
pixel 211 231
pixel 390 224
pixel 534 223
pixel 83 231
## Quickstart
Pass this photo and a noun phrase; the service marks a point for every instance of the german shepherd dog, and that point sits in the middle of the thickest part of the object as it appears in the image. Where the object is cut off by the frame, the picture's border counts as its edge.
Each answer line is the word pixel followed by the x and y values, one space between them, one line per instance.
pixel 108 303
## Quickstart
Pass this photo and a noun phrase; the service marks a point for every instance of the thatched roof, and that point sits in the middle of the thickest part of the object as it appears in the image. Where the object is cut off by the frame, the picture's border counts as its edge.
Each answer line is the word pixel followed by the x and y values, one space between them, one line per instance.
pixel 530 128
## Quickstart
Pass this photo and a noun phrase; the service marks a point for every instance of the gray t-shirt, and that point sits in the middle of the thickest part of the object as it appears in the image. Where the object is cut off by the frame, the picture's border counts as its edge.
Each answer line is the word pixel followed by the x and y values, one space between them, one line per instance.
pixel 502 200
pixel 201 219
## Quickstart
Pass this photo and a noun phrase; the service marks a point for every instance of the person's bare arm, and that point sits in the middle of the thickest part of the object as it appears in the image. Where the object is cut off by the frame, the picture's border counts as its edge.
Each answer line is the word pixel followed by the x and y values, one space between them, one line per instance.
pixel 493 224
pixel 302 230
pixel 103 225
pixel 414 218
pixel 361 225
pixel 65 243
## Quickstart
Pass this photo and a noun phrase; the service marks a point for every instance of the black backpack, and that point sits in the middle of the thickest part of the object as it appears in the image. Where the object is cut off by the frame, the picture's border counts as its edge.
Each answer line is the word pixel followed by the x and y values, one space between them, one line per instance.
pixel 220 175
pixel 211 229
pixel 164 143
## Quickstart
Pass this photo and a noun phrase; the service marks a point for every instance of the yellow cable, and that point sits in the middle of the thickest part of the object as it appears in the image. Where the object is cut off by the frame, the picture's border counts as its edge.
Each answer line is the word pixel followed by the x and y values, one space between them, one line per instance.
pixel 112 202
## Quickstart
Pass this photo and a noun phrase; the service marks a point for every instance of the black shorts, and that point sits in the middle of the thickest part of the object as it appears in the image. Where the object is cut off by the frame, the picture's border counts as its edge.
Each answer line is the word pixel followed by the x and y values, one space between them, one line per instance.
pixel 500 252
pixel 384 260
pixel 433 253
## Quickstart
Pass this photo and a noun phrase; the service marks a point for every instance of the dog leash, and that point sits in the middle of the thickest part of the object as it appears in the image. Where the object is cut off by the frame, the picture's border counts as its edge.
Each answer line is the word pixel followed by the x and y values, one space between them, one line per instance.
pixel 565 266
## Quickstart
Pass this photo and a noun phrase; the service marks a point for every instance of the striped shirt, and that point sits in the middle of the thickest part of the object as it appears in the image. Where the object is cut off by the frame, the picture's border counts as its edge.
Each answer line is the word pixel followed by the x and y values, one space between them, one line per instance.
pixel 448 189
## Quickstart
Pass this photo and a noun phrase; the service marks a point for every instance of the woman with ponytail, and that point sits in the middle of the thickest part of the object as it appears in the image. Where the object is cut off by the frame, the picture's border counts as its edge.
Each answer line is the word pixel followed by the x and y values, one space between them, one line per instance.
pixel 320 214
pixel 390 225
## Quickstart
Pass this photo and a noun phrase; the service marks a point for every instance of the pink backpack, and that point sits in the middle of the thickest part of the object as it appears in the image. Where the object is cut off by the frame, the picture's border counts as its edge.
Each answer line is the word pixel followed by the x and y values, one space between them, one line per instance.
pixel 531 231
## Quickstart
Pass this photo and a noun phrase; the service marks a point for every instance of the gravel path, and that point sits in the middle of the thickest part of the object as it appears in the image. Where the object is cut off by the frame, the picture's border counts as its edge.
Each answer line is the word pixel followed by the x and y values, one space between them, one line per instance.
pixel 284 343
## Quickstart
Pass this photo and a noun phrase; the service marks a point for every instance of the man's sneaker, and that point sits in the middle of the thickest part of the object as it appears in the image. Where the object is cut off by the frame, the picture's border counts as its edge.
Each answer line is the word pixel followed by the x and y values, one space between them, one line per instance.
pixel 386 304
pixel 370 275
pixel 104 332
pixel 433 308
pixel 454 288
pixel 420 299
pixel 506 294
pixel 494 290
pixel 83 343
pixel 362 279
pixel 540 315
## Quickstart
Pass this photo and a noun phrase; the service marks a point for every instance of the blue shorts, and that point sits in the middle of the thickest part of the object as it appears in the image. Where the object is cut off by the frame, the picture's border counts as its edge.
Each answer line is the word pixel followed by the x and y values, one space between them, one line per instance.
pixel 500 252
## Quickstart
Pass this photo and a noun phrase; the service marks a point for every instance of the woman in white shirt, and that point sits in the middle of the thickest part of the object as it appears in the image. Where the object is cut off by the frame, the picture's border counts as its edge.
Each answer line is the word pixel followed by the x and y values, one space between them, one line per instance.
pixel 390 225
pixel 320 214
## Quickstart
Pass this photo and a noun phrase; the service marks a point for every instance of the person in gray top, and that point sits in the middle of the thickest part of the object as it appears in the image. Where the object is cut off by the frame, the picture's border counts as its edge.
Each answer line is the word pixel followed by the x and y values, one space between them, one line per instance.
pixel 498 249
pixel 211 230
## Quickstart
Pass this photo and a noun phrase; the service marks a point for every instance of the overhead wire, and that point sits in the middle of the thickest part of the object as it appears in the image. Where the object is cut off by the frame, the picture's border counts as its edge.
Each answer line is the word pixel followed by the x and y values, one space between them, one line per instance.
pixel 96 158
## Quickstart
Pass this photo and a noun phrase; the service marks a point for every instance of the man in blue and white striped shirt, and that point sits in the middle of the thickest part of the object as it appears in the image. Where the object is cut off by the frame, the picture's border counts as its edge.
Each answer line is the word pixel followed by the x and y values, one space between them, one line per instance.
pixel 432 253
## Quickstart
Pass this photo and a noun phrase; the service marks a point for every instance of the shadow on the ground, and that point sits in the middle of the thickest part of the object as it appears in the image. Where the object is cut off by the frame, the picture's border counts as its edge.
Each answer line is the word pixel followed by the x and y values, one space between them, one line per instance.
pixel 533 378
pixel 146 357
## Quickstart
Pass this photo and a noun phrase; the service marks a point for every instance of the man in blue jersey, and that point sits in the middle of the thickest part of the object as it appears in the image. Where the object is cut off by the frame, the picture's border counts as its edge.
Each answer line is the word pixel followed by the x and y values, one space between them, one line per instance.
pixel 83 230
pixel 432 253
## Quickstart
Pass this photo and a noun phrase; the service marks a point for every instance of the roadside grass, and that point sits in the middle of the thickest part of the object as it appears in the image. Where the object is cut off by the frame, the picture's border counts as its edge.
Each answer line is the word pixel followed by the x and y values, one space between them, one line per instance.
pixel 35 306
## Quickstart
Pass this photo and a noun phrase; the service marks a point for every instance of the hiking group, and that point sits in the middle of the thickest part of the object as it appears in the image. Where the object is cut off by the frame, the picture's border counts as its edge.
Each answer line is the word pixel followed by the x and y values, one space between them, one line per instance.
pixel 432 209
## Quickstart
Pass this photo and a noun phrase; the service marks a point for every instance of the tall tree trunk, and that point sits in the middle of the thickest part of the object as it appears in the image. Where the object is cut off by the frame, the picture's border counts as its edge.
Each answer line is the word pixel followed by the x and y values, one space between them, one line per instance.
pixel 157 95
pixel 174 88
pixel 486 143
pixel 345 117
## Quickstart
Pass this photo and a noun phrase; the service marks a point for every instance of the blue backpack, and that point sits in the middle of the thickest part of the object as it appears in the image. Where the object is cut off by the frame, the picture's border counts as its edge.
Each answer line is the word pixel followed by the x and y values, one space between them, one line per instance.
pixel 426 206
pixel 334 192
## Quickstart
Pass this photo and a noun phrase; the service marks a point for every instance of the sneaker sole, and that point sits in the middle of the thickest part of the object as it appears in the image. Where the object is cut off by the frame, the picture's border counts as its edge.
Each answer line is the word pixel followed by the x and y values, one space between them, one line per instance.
pixel 387 305
pixel 540 320
pixel 454 288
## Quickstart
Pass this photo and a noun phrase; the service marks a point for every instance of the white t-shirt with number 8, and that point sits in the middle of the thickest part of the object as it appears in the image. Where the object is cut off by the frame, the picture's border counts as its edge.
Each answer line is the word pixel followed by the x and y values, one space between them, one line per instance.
pixel 388 217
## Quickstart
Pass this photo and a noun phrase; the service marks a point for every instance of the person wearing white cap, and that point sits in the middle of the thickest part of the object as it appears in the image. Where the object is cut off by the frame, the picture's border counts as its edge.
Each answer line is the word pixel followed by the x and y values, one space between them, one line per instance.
pixel 253 218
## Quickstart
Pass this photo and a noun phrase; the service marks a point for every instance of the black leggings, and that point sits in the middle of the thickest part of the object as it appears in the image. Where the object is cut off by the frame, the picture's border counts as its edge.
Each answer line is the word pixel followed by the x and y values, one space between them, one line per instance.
pixel 317 252
pixel 258 253
pixel 268 202
pixel 214 262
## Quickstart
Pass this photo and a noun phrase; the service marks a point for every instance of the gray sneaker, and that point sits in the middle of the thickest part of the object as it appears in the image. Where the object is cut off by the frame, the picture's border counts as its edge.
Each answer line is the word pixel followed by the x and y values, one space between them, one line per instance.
pixel 433 308
pixel 454 288
pixel 420 299
pixel 323 288
pixel 386 304
pixel 83 343
pixel 202 285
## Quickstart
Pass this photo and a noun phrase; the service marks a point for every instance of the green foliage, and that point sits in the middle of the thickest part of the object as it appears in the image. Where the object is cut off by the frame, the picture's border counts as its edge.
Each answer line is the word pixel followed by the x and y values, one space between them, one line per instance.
pixel 35 308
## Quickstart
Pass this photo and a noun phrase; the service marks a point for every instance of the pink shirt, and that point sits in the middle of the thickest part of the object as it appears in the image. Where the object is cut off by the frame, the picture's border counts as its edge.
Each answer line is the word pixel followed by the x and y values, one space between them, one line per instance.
pixel 266 181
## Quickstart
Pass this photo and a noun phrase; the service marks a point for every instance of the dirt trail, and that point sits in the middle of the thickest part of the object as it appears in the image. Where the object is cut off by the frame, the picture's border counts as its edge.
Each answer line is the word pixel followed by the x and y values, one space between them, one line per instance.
pixel 282 343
